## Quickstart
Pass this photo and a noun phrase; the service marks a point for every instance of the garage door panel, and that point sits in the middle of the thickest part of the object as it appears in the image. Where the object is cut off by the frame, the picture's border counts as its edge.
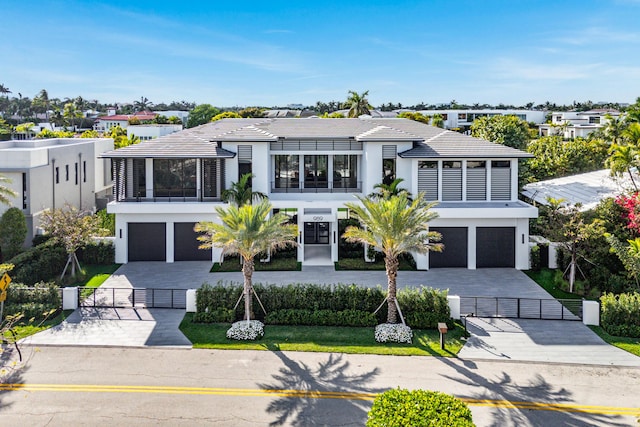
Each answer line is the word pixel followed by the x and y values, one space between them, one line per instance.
pixel 455 240
pixel 147 241
pixel 495 247
pixel 186 243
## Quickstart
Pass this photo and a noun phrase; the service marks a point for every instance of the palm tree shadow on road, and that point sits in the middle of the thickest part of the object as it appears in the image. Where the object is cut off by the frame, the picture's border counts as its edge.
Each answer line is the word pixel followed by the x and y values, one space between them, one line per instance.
pixel 331 375
pixel 535 390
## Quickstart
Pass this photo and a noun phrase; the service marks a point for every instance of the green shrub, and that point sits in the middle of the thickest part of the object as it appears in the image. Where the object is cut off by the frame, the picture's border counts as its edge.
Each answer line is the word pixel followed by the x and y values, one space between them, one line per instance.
pixel 423 308
pixel 13 232
pixel 42 298
pixel 312 304
pixel 401 408
pixel 102 253
pixel 39 264
pixel 354 318
pixel 620 314
pixel 535 258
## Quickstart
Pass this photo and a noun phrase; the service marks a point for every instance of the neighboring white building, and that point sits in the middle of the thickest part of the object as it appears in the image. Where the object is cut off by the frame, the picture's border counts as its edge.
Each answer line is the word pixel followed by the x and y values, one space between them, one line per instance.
pixel 105 123
pixel 309 168
pixel 49 173
pixel 183 115
pixel 462 119
pixel 574 124
pixel 147 132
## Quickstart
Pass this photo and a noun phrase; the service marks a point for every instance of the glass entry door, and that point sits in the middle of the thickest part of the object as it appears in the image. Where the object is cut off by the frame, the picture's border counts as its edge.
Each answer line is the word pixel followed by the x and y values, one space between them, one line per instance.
pixel 316 233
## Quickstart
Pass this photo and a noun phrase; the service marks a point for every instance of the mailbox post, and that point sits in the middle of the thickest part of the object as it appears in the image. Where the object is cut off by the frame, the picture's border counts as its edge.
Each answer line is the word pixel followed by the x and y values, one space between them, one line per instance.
pixel 442 327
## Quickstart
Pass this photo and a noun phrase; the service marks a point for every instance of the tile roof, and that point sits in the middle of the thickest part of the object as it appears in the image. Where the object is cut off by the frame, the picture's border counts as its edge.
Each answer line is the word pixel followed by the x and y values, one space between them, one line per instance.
pixel 428 141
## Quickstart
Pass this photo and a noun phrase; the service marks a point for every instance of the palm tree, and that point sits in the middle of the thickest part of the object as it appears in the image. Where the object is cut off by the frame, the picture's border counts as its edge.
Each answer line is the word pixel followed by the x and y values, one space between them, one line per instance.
pixel 247 230
pixel 4 89
pixel 622 158
pixel 240 192
pixel 614 128
pixel 384 190
pixel 632 134
pixel 358 104
pixel 394 226
pixel 6 192
pixel 143 104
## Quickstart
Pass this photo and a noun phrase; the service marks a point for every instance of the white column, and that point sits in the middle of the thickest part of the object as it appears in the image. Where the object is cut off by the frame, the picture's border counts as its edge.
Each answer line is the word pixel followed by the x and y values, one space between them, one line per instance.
pixel 148 176
pixel 591 313
pixel 471 247
pixel 454 306
pixel 191 301
pixel 69 298
pixel 169 243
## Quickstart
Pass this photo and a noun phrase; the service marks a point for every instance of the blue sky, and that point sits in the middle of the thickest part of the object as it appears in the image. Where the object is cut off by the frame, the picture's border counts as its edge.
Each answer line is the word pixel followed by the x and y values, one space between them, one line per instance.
pixel 279 52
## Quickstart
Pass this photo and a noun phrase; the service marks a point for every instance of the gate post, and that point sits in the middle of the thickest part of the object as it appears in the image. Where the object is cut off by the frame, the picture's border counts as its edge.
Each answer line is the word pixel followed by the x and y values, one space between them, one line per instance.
pixel 591 313
pixel 453 300
pixel 191 301
pixel 69 298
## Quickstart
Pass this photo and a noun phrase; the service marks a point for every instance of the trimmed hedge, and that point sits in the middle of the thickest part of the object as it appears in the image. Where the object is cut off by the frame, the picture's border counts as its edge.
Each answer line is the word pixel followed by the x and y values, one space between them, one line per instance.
pixel 101 253
pixel 620 314
pixel 39 264
pixel 402 407
pixel 321 305
pixel 32 302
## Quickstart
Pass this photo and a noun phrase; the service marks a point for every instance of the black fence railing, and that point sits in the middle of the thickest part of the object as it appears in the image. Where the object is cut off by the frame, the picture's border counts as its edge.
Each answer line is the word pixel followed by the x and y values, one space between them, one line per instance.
pixel 132 298
pixel 521 308
pixel 316 186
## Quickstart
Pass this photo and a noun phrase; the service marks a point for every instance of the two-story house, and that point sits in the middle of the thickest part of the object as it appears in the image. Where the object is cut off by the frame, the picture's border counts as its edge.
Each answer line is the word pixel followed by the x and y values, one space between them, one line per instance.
pixel 309 168
pixel 576 124
pixel 52 173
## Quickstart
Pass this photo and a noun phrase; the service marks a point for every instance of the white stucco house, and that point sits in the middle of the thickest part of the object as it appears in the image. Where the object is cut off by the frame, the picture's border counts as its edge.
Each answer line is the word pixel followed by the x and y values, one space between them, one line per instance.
pixel 462 119
pixel 309 168
pixel 50 173
pixel 576 124
pixel 146 132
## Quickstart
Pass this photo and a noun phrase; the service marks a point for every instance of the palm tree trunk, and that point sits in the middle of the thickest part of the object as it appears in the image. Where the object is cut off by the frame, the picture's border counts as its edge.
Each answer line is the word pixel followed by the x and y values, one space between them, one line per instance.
pixel 391 264
pixel 247 272
pixel 632 180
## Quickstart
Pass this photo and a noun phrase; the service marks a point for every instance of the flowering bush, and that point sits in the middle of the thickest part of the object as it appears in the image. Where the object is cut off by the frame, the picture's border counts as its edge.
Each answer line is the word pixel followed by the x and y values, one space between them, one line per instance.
pixel 243 330
pixel 631 205
pixel 393 332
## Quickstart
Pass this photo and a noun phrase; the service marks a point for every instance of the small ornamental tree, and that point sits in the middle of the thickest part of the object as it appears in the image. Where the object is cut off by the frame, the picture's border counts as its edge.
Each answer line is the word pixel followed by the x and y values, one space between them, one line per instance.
pixel 73 229
pixel 5 192
pixel 13 231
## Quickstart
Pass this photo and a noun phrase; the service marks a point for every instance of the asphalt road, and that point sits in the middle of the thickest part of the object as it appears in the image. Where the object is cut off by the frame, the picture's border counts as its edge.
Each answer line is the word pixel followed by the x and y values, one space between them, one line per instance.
pixel 125 386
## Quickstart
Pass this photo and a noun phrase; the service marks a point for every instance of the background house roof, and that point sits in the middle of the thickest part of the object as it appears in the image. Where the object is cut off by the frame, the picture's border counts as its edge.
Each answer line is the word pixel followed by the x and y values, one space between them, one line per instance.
pixel 429 141
pixel 587 189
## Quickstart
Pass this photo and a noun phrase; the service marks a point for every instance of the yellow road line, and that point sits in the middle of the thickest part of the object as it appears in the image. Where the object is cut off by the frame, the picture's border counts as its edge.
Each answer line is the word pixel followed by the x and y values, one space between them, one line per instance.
pixel 314 394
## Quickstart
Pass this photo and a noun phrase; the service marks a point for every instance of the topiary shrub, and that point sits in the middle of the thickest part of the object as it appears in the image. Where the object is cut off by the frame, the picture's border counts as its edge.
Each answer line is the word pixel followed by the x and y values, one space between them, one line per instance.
pixel 13 232
pixel 402 407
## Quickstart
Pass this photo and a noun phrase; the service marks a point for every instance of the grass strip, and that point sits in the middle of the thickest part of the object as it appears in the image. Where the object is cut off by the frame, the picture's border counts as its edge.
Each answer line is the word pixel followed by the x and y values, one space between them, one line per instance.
pixel 333 339
pixel 632 345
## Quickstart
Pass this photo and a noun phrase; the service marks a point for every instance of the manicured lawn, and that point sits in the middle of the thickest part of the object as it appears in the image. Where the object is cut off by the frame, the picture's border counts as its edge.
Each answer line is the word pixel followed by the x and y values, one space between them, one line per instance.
pixel 361 264
pixel 321 339
pixel 95 275
pixel 276 264
pixel 546 278
pixel 632 345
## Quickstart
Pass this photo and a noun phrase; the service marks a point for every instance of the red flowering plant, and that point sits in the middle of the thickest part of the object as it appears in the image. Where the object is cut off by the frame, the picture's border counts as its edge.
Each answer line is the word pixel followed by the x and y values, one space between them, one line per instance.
pixel 631 206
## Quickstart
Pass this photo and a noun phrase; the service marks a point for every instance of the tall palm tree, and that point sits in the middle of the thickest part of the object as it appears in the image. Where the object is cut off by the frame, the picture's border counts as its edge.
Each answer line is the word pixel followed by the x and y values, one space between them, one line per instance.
pixel 143 104
pixel 622 158
pixel 614 128
pixel 6 192
pixel 358 104
pixel 394 226
pixel 247 230
pixel 632 134
pixel 241 193
pixel 4 89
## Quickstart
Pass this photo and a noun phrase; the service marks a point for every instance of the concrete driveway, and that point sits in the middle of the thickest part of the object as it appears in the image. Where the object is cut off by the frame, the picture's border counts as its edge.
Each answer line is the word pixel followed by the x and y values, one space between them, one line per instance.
pixel 496 339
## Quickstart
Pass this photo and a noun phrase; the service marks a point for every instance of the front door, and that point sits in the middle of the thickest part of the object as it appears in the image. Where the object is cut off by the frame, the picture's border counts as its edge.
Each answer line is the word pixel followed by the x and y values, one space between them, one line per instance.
pixel 316 233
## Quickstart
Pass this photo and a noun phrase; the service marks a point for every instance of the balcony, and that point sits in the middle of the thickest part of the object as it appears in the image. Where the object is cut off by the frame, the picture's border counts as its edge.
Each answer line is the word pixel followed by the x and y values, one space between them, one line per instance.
pixel 343 185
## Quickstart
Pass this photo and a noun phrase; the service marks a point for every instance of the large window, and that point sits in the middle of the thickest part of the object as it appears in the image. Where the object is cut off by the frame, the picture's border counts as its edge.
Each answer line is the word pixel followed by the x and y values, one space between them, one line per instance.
pixel 451 181
pixel 174 177
pixel 388 163
pixel 428 179
pixel 345 171
pixel 287 173
pixel 476 180
pixel 139 182
pixel 316 172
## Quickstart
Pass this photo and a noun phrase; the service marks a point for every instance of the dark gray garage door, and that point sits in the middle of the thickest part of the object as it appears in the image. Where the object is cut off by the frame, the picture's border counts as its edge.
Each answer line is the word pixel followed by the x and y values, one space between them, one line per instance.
pixel 147 241
pixel 495 247
pixel 185 243
pixel 455 248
